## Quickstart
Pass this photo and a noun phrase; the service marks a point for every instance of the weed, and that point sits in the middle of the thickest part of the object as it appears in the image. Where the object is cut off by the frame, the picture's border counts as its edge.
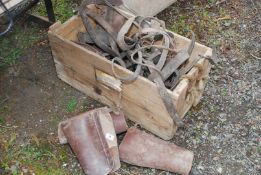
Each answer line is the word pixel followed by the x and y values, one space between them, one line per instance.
pixel 39 160
pixel 180 25
pixel 2 120
pixel 54 120
pixel 189 113
pixel 84 106
pixel 223 92
pixel 72 105
pixel 14 172
pixel 211 109
pixel 259 150
pixel 201 23
pixel 211 1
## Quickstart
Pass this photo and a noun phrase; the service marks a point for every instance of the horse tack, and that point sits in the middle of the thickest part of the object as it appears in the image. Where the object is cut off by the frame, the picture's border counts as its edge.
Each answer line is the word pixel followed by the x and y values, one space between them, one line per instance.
pixel 142 49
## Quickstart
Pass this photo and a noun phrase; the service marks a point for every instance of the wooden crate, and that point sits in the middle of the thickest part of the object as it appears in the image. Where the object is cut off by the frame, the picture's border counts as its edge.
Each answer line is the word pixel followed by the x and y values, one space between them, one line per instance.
pixel 140 101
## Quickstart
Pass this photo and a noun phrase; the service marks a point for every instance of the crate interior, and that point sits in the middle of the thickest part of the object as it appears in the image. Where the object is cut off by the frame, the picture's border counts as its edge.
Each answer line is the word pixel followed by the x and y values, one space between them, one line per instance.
pixel 70 29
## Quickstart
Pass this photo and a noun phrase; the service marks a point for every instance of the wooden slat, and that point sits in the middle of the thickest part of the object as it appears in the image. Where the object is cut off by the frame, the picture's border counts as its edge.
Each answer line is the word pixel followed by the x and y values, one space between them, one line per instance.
pixel 9 4
pixel 152 7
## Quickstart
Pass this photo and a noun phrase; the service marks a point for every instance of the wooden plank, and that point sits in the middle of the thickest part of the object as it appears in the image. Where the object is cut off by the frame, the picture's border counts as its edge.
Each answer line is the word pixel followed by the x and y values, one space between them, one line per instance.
pixel 191 90
pixel 106 96
pixel 9 4
pixel 71 26
pixel 152 7
pixel 108 80
pixel 138 93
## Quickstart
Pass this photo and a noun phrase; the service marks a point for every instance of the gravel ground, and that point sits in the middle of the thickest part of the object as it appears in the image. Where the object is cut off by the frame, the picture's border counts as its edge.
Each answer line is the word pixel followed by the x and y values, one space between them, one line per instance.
pixel 224 130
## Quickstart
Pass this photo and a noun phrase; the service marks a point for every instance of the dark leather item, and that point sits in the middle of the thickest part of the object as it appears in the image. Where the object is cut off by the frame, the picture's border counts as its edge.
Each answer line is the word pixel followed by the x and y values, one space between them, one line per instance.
pixel 93 139
pixel 119 122
pixel 142 149
pixel 150 48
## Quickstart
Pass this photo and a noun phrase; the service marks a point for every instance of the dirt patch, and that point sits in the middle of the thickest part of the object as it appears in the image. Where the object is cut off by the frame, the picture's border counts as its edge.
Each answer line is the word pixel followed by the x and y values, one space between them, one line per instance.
pixel 33 101
pixel 223 130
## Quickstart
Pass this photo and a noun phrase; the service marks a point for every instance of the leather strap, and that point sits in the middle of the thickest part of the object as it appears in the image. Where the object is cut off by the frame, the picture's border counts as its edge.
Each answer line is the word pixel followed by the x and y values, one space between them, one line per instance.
pixel 147 50
pixel 121 35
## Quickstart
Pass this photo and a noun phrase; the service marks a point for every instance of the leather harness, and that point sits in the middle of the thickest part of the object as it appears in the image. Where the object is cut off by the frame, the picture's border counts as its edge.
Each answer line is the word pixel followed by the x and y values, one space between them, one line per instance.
pixel 146 52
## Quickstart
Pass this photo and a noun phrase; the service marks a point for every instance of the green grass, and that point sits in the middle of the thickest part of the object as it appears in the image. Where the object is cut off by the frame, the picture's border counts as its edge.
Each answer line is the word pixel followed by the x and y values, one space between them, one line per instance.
pixel 15 43
pixel 40 159
pixel 72 104
pixel 38 156
pixel 2 120
pixel 203 18
pixel 259 149
pixel 201 23
pixel 63 9
pixel 211 1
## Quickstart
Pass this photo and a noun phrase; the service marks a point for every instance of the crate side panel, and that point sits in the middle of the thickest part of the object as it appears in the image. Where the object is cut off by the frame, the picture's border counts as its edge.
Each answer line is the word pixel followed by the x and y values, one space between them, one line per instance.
pixel 80 62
